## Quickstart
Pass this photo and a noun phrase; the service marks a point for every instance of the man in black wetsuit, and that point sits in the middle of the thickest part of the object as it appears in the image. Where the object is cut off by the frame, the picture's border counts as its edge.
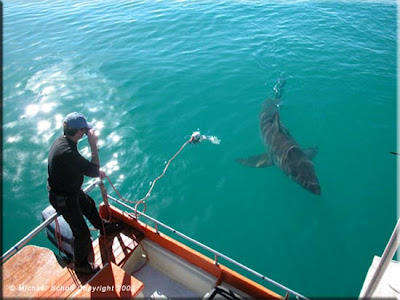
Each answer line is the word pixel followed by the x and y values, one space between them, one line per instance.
pixel 66 170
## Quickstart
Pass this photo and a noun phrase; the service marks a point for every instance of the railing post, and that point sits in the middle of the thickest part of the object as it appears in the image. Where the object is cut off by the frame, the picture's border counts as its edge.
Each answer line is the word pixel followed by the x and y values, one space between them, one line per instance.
pixel 390 250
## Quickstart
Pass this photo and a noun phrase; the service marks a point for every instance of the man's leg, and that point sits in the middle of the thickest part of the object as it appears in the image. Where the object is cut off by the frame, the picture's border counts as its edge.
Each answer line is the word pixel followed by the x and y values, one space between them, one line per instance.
pixel 70 209
pixel 90 211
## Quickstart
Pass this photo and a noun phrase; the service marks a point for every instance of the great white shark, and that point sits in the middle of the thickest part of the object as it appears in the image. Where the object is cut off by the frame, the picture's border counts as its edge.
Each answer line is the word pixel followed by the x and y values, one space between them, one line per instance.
pixel 281 148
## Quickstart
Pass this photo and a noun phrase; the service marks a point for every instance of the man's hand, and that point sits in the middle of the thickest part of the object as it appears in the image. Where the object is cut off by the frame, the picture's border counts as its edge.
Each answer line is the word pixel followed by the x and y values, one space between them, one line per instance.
pixel 102 174
pixel 92 139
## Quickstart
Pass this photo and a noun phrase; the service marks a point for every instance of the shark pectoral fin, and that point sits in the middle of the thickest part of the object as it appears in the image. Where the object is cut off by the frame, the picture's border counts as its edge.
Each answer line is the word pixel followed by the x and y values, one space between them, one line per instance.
pixel 258 161
pixel 311 152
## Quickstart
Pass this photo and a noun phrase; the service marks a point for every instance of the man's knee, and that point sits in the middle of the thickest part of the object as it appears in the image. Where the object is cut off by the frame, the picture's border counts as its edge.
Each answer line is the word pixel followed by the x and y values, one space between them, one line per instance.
pixel 87 204
pixel 81 232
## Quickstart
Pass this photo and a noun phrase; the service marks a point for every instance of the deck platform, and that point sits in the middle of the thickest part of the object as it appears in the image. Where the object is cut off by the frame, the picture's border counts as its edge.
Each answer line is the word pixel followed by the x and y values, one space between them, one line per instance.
pixel 40 274
pixel 138 262
pixel 389 286
pixel 111 282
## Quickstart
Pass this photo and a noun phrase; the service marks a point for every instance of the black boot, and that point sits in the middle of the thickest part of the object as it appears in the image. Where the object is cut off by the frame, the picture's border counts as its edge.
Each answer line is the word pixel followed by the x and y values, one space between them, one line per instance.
pixel 111 228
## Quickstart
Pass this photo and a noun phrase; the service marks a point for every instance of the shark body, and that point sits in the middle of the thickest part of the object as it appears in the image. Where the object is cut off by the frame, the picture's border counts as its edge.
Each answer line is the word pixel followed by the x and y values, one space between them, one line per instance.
pixel 282 150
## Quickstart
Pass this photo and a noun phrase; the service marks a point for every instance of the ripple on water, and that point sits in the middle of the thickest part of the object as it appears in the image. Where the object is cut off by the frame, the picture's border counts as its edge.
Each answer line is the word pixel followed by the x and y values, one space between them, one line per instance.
pixel 147 73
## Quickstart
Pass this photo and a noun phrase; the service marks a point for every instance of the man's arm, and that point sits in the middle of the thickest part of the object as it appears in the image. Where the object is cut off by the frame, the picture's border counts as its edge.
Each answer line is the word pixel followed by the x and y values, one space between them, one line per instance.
pixel 92 139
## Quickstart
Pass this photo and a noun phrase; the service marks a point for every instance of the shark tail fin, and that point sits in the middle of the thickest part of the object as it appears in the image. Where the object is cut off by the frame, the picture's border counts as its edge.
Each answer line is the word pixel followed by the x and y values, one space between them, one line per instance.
pixel 278 88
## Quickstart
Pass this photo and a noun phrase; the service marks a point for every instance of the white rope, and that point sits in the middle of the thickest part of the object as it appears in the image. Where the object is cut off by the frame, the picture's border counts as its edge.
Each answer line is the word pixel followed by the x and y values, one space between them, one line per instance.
pixel 143 200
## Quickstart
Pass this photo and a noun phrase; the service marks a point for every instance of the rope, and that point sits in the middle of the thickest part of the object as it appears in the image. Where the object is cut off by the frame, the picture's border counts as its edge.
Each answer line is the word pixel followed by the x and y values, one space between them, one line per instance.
pixel 104 239
pixel 103 191
pixel 58 236
pixel 138 202
pixel 165 170
pixel 66 259
pixel 142 201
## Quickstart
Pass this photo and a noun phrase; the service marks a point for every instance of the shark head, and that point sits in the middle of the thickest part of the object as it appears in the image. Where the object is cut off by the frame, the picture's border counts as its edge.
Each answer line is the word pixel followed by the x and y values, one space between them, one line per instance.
pixel 315 188
pixel 304 175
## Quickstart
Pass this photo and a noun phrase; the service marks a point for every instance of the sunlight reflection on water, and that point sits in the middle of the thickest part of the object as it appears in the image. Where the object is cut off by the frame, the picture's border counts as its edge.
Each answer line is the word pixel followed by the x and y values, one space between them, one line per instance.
pixel 152 79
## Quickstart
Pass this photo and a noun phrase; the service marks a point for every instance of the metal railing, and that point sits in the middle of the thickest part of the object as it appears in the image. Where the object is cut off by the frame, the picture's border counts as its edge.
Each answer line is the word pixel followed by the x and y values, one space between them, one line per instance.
pixel 388 254
pixel 157 224
pixel 14 249
pixel 216 254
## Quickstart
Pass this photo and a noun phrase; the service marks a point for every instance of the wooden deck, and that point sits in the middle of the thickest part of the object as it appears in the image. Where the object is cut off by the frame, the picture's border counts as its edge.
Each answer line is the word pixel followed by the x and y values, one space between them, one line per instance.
pixel 112 282
pixel 34 272
pixel 40 275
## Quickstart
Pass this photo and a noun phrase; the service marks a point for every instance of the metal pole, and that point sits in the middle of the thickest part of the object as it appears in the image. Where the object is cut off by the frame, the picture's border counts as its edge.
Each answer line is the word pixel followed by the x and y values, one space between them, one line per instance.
pixel 27 238
pixel 387 256
pixel 37 230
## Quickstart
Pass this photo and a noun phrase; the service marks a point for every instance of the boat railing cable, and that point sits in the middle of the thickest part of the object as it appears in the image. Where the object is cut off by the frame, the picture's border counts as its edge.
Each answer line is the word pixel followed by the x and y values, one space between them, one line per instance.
pixel 37 230
pixel 216 254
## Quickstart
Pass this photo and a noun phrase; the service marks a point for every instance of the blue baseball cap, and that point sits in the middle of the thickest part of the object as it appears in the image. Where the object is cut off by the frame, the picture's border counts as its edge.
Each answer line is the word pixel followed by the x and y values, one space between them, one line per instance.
pixel 76 120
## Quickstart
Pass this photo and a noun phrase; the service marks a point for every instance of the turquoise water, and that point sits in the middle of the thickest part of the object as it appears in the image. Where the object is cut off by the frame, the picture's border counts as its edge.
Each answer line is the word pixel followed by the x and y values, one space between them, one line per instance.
pixel 149 73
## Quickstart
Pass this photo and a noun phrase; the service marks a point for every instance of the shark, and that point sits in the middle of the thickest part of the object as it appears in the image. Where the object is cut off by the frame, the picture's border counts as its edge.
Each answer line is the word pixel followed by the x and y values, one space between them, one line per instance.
pixel 282 150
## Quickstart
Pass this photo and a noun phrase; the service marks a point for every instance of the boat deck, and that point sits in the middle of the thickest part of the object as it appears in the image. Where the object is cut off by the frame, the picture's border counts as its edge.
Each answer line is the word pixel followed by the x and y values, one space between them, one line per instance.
pixel 389 286
pixel 159 285
pixel 166 275
pixel 127 271
pixel 138 262
pixel 40 274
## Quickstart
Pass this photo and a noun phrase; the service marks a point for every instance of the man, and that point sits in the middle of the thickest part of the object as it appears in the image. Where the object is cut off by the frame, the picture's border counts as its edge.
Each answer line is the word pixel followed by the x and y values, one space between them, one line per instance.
pixel 66 170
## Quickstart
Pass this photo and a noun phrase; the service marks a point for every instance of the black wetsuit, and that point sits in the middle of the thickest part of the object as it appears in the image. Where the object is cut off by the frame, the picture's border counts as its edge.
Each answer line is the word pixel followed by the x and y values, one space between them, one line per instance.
pixel 66 170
